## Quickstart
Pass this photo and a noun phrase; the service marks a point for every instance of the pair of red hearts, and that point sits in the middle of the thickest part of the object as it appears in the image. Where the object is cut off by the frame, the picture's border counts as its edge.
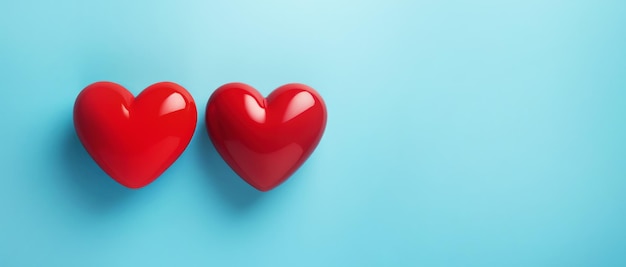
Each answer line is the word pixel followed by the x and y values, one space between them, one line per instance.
pixel 264 140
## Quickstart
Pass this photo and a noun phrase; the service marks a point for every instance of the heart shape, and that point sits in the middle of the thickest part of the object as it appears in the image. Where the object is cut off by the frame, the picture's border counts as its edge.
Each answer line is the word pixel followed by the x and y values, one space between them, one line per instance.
pixel 134 140
pixel 265 140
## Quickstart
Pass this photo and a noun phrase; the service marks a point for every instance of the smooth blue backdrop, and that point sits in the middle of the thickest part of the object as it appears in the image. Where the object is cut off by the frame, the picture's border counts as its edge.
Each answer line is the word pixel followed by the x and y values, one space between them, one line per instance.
pixel 460 133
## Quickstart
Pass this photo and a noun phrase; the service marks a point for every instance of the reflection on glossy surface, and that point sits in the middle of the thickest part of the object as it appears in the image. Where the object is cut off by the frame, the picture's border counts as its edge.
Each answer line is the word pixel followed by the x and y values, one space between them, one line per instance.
pixel 254 109
pixel 134 144
pixel 265 140
pixel 125 111
pixel 173 103
pixel 300 103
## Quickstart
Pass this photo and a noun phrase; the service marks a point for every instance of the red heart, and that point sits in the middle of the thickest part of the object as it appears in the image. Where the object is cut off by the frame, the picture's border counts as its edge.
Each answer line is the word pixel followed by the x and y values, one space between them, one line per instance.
pixel 134 140
pixel 265 140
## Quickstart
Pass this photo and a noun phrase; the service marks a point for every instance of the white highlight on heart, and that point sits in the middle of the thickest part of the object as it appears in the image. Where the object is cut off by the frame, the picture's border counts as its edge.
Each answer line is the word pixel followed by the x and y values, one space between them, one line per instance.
pixel 300 103
pixel 125 111
pixel 254 109
pixel 172 103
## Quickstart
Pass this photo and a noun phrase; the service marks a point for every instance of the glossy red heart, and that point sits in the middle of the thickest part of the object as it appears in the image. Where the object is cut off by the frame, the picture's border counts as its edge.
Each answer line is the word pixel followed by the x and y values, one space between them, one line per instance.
pixel 134 140
pixel 265 140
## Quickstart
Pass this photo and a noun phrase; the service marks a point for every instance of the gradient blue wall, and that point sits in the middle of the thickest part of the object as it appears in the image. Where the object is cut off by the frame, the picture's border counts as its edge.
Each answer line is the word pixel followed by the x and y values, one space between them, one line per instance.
pixel 460 133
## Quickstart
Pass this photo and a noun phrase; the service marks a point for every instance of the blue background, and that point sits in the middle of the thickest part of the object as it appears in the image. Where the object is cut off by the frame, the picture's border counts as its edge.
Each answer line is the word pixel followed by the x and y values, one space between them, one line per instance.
pixel 460 133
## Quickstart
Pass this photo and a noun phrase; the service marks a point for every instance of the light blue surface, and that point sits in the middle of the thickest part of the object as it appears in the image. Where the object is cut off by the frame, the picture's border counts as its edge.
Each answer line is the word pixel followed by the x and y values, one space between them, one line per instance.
pixel 460 133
